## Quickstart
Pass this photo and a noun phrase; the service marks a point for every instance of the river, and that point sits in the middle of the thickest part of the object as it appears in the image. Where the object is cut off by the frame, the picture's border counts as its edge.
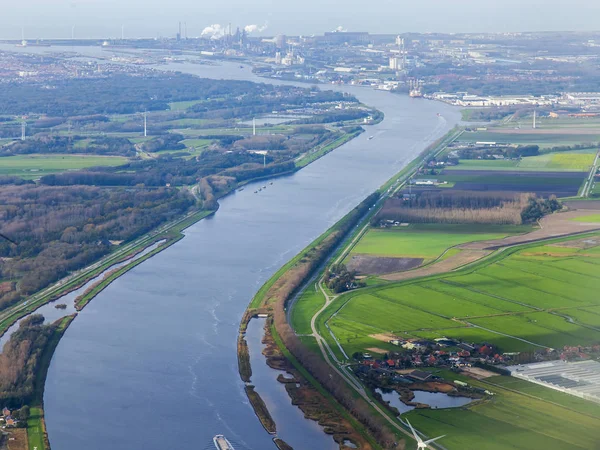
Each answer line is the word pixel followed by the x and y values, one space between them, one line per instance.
pixel 152 363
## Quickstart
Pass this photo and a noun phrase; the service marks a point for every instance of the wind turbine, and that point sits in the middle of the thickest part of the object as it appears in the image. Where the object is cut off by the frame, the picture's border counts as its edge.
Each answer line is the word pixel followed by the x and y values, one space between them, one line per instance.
pixel 420 443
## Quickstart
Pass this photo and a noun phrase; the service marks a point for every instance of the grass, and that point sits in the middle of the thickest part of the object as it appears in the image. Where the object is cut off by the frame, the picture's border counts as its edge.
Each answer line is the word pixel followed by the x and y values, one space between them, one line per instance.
pixel 182 106
pixel 428 241
pixel 35 429
pixel 33 166
pixel 574 161
pixel 568 161
pixel 515 421
pixel 544 140
pixel 590 218
pixel 308 304
pixel 518 300
pixel 510 179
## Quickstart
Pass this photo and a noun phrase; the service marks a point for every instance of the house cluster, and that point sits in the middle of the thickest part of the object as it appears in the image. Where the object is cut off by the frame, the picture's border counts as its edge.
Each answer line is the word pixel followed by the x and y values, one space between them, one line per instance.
pixel 579 352
pixel 441 352
pixel 7 418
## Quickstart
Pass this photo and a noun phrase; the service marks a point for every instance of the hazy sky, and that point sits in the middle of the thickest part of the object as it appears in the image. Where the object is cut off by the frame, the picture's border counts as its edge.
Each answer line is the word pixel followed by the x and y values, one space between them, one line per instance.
pixel 150 18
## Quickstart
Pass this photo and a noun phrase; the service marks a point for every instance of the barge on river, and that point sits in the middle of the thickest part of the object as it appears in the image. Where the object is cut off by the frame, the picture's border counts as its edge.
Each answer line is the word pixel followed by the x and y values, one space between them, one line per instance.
pixel 221 443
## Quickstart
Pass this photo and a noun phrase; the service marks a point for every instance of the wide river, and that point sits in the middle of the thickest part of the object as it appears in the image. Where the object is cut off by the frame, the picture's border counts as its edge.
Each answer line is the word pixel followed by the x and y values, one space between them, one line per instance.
pixel 151 362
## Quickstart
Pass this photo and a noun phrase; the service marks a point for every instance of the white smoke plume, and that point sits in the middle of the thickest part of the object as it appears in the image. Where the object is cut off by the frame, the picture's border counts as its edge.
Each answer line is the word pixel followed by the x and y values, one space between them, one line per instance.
pixel 340 29
pixel 214 31
pixel 254 28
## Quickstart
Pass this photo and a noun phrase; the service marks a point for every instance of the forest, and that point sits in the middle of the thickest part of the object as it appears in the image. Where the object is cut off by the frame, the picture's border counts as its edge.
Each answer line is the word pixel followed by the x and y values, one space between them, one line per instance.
pixel 61 229
pixel 46 144
pixel 153 91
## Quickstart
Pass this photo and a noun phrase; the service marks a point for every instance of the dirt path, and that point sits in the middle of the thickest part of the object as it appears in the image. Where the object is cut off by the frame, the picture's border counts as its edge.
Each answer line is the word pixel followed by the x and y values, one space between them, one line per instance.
pixel 555 225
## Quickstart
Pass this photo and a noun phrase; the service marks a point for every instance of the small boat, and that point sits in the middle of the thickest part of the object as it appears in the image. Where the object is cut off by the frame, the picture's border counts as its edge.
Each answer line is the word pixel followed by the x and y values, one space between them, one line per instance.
pixel 271 183
pixel 371 137
pixel 240 190
pixel 256 192
pixel 221 443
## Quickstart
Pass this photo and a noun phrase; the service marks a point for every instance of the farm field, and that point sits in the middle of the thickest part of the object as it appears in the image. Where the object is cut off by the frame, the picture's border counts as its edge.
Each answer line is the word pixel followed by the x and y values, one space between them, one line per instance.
pixel 561 183
pixel 590 218
pixel 428 241
pixel 35 166
pixel 574 161
pixel 545 138
pixel 514 420
pixel 538 296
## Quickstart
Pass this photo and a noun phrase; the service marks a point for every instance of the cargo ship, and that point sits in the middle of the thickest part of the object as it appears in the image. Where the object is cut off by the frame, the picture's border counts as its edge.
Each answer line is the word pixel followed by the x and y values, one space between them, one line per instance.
pixel 221 443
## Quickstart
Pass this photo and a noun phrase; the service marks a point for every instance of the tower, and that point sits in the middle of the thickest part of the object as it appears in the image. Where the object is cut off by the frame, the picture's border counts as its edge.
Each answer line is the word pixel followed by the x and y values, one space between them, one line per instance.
pixel 253 127
pixel 145 124
pixel 23 126
pixel 534 118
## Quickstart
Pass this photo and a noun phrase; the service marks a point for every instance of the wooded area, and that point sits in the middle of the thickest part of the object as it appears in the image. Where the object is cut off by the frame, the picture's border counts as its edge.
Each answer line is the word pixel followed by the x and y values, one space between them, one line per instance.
pixel 61 229
pixel 456 207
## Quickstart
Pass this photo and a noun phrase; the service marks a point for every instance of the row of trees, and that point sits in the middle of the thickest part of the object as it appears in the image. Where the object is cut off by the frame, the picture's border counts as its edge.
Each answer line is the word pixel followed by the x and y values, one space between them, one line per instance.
pixel 456 207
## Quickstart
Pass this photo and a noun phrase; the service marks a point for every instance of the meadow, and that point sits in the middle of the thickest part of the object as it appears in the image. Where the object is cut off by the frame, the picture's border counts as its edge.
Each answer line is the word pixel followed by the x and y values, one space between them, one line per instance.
pixel 544 138
pixel 34 166
pixel 573 161
pixel 515 419
pixel 428 241
pixel 532 297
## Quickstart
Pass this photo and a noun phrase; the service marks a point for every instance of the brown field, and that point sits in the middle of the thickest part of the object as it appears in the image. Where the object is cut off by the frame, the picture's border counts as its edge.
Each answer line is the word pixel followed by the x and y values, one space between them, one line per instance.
pixel 377 350
pixel 376 265
pixel 580 243
pixel 477 373
pixel 20 442
pixel 446 265
pixel 590 205
pixel 383 337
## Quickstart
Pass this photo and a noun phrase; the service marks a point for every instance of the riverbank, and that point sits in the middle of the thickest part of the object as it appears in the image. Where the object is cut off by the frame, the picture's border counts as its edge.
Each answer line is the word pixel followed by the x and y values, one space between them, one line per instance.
pixel 275 296
pixel 37 434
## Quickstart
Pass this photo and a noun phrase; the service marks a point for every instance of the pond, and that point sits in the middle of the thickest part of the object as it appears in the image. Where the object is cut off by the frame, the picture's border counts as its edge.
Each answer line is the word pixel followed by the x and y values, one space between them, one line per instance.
pixel 433 399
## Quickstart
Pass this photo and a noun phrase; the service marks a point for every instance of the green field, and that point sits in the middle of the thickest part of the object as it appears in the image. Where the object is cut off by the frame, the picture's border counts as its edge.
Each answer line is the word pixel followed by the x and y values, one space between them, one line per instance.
pixel 182 106
pixel 309 302
pixel 590 218
pixel 574 161
pixel 34 166
pixel 428 241
pixel 35 432
pixel 513 419
pixel 538 296
pixel 544 140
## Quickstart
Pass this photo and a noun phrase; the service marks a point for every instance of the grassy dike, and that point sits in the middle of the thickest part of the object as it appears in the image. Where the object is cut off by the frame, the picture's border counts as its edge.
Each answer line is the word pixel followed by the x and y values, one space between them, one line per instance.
pixel 260 304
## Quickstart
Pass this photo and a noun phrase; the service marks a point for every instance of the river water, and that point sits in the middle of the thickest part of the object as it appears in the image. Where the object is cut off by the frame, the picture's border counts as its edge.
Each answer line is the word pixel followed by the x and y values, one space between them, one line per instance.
pixel 152 363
